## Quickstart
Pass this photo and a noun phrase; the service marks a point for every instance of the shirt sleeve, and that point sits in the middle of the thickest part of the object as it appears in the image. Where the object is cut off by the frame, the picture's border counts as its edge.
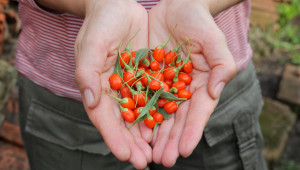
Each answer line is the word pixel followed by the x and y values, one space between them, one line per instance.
pixel 33 4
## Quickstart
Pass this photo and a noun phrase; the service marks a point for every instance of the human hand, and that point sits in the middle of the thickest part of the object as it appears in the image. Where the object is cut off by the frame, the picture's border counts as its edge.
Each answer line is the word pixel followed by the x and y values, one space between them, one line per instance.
pixel 213 64
pixel 106 24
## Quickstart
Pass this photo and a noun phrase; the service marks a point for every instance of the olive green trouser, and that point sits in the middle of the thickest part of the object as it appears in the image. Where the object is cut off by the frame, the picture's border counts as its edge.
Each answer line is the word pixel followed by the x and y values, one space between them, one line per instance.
pixel 59 136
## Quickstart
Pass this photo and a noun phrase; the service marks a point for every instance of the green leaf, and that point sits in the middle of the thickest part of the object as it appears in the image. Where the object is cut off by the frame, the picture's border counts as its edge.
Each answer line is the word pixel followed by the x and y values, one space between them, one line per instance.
pixel 140 54
pixel 139 119
pixel 154 129
pixel 169 96
pixel 118 68
pixel 164 113
pixel 151 103
pixel 147 107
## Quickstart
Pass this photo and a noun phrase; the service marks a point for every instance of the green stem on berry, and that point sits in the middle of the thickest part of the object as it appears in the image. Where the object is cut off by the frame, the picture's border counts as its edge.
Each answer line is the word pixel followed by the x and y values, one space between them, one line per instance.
pixel 151 58
pixel 175 79
pixel 128 44
pixel 173 90
pixel 165 44
pixel 124 100
pixel 177 48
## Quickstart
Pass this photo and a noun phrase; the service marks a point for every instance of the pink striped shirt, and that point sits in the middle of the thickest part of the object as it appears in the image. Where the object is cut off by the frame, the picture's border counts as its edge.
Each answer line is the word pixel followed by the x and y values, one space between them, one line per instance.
pixel 46 44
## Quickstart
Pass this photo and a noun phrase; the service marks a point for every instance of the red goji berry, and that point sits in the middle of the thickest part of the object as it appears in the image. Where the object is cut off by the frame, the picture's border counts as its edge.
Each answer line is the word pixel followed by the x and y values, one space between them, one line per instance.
pixel 161 102
pixel 149 122
pixel 158 117
pixel 154 85
pixel 115 81
pixel 154 66
pixel 152 110
pixel 170 57
pixel 186 78
pixel 128 103
pixel 125 92
pixel 126 58
pixel 159 54
pixel 129 78
pixel 169 83
pixel 128 115
pixel 171 107
pixel 140 99
pixel 188 67
pixel 184 94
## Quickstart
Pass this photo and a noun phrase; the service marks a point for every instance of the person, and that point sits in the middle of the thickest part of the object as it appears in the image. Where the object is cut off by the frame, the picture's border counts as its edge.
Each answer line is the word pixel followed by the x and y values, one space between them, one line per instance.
pixel 67 51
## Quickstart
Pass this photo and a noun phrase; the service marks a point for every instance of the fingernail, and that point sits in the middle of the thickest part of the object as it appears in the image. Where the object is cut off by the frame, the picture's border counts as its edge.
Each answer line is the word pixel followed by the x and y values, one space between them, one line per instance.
pixel 88 97
pixel 219 89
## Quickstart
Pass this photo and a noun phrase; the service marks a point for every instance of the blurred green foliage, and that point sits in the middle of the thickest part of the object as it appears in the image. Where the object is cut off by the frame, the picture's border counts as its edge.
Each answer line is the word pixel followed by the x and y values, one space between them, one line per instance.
pixel 281 40
pixel 288 35
pixel 288 165
pixel 288 11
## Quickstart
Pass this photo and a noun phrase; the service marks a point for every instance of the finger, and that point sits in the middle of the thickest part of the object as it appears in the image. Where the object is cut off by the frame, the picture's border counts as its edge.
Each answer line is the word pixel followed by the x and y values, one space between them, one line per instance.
pixel 136 144
pixel 221 62
pixel 137 157
pixel 200 108
pixel 145 132
pixel 162 138
pixel 105 121
pixel 171 151
pixel 143 145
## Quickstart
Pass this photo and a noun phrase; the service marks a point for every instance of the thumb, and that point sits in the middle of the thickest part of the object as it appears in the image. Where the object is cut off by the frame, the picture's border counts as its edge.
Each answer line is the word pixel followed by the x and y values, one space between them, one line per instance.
pixel 221 62
pixel 90 57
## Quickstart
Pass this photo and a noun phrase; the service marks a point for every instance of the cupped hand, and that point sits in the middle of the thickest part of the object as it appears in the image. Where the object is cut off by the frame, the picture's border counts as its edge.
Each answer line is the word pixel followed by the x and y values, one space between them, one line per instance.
pixel 106 24
pixel 213 64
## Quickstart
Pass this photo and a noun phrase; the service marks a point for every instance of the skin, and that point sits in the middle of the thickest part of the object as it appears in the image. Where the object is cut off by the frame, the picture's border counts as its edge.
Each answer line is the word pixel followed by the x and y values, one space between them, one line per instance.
pixel 96 49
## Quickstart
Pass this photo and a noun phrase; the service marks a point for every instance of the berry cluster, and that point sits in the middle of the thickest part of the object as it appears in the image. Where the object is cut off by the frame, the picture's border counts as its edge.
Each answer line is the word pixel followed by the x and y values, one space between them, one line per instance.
pixel 151 89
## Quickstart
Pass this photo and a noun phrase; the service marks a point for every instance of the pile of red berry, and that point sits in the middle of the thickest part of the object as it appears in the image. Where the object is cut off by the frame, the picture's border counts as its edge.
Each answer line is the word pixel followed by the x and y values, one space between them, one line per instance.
pixel 151 89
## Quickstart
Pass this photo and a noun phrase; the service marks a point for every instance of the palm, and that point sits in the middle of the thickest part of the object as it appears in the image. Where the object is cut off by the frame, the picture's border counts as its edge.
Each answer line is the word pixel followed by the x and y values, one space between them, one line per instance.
pixel 183 131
